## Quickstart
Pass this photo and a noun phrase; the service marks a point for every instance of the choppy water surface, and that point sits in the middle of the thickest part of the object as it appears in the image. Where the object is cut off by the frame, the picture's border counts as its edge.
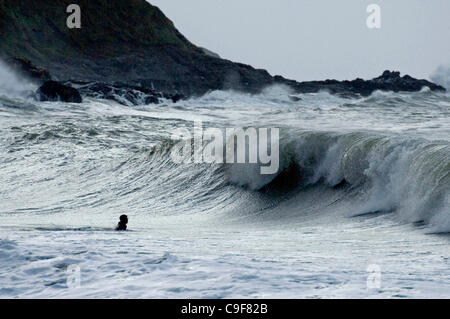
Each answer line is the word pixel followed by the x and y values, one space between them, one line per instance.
pixel 362 182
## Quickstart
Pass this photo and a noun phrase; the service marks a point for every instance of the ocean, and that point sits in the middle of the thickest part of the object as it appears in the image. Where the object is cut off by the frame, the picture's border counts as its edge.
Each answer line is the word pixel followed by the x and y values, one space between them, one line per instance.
pixel 359 207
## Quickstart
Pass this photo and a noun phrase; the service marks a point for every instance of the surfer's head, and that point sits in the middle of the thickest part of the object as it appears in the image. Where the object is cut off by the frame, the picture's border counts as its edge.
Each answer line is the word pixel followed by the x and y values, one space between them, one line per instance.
pixel 124 219
pixel 122 225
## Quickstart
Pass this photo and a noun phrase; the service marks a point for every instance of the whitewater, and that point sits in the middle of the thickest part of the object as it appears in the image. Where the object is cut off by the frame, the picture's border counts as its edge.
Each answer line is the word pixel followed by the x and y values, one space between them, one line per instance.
pixel 359 207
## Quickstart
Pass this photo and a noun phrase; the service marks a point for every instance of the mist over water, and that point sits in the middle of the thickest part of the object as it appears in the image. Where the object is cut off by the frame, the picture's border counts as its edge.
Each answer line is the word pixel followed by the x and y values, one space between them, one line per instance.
pixel 362 181
pixel 442 76
pixel 11 85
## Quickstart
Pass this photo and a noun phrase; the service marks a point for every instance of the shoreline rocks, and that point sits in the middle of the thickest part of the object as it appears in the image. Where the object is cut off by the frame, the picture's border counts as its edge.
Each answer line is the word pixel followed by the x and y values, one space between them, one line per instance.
pixel 25 68
pixel 126 94
pixel 140 57
pixel 55 91
pixel 130 95
pixel 388 81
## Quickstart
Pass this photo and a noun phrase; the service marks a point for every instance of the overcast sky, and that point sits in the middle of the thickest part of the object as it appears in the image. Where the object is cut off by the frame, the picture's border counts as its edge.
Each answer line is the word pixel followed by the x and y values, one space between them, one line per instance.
pixel 319 39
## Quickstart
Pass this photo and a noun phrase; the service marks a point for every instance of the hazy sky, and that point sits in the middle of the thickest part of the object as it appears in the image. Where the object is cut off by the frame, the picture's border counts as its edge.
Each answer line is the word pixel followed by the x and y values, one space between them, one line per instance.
pixel 319 39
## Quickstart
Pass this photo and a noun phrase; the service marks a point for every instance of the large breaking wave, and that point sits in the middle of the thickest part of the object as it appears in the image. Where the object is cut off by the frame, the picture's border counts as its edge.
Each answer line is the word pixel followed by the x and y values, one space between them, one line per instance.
pixel 398 175
pixel 102 156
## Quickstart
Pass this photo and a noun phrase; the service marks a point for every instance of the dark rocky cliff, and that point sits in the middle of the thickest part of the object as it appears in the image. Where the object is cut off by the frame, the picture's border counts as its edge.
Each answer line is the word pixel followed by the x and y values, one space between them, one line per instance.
pixel 119 41
pixel 133 43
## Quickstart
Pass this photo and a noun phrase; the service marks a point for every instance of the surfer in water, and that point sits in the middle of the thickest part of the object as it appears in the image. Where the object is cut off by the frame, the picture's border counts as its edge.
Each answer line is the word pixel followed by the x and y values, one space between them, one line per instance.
pixel 122 225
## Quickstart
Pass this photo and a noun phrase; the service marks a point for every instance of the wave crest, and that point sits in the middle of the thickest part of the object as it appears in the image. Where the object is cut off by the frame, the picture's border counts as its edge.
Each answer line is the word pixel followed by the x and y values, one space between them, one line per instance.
pixel 408 176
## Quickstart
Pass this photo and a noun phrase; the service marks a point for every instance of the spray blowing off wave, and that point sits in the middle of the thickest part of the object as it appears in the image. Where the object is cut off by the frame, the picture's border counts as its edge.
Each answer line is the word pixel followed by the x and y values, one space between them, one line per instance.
pixel 442 76
pixel 408 176
pixel 11 85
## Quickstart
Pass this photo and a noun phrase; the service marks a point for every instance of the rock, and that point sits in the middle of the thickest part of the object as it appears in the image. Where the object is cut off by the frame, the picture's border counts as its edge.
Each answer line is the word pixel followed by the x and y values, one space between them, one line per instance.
pixel 126 94
pixel 55 91
pixel 139 46
pixel 143 49
pixel 392 81
pixel 176 97
pixel 151 100
pixel 210 53
pixel 388 81
pixel 25 68
pixel 388 75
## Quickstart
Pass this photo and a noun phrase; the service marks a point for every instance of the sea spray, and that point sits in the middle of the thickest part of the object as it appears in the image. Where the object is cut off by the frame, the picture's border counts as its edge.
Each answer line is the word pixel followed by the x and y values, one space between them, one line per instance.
pixel 441 76
pixel 12 85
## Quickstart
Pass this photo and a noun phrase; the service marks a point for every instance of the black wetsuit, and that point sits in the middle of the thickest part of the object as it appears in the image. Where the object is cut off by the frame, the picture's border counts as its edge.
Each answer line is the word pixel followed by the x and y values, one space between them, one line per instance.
pixel 121 226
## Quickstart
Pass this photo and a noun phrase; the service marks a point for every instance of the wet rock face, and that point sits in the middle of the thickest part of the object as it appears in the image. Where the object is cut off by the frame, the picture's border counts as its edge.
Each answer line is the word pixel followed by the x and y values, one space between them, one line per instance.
pixel 392 81
pixel 55 91
pixel 388 81
pixel 126 94
pixel 26 69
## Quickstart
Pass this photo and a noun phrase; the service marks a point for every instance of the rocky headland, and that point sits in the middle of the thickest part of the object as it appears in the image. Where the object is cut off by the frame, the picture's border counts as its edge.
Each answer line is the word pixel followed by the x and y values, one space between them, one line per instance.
pixel 130 51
